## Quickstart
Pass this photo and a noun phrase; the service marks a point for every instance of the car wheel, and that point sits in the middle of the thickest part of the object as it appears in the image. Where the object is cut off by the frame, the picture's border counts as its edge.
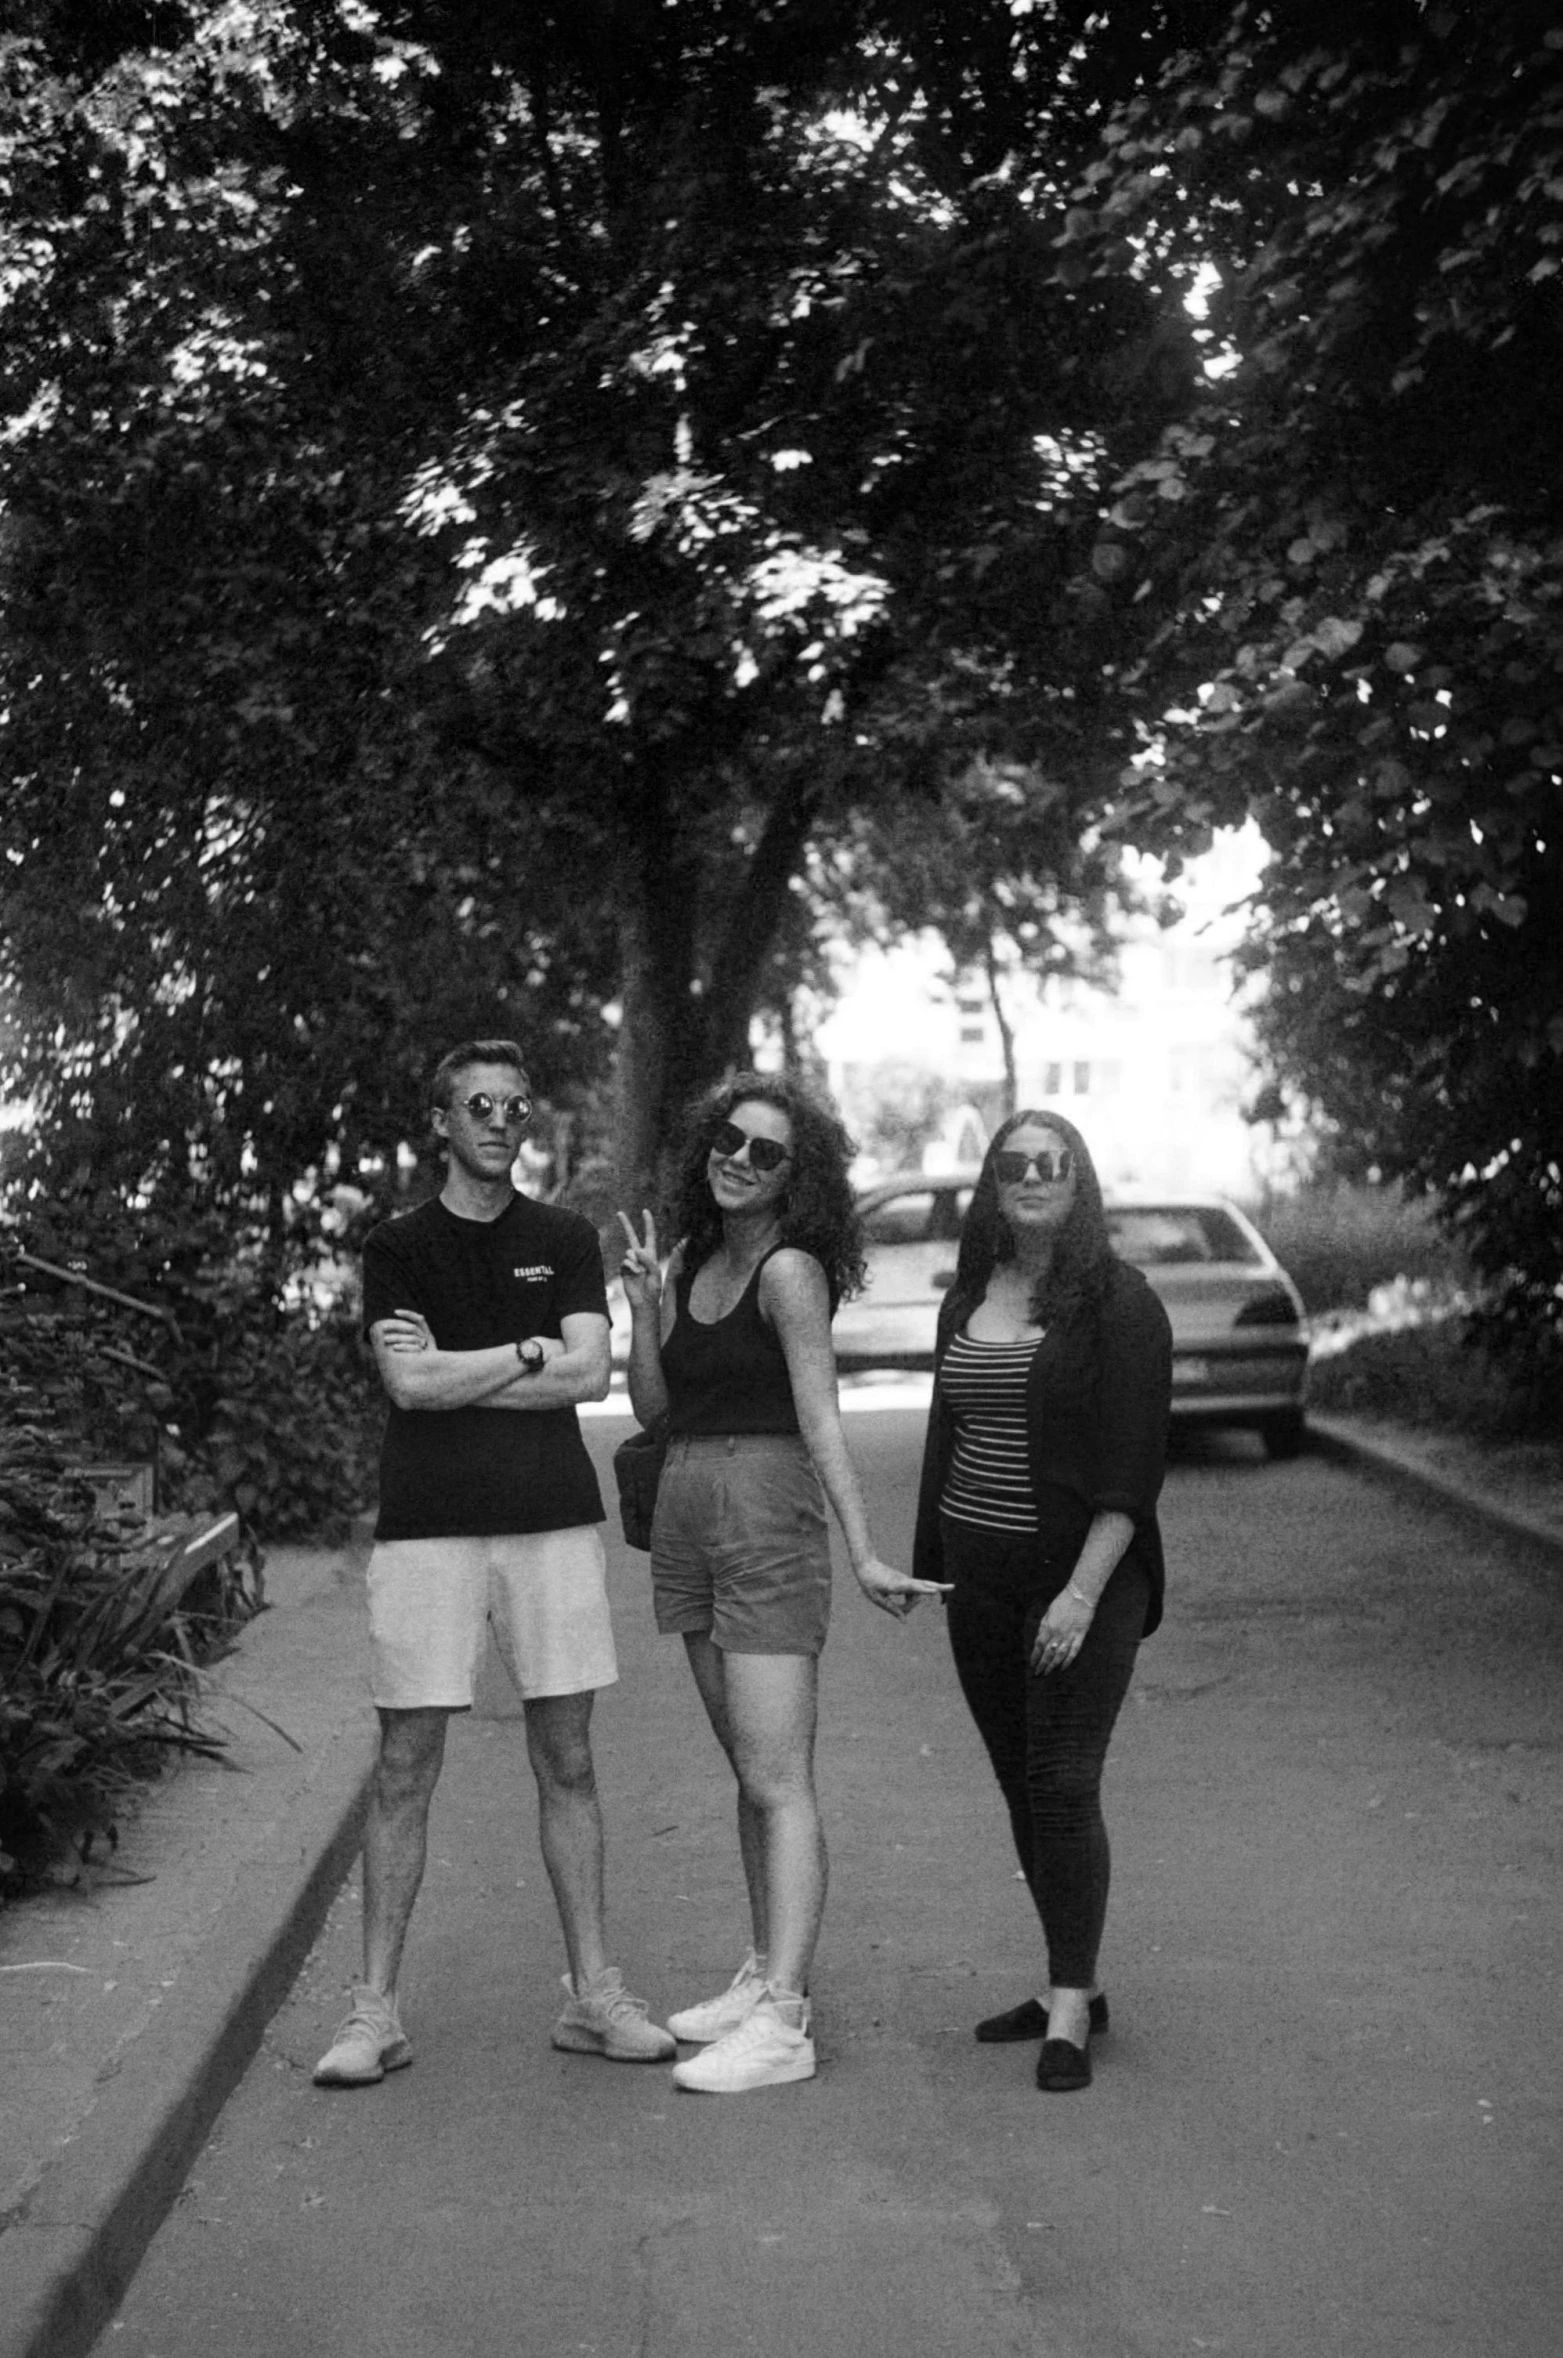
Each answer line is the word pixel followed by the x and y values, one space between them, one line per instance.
pixel 1282 1434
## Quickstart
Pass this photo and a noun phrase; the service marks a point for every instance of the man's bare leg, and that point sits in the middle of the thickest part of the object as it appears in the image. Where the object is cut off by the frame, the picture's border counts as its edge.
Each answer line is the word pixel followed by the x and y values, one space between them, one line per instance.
pixel 558 1742
pixel 412 1752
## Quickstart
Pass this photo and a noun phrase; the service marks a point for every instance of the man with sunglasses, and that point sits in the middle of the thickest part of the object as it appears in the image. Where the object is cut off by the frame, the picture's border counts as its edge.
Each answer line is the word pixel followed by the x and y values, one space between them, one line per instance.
pixel 488 1317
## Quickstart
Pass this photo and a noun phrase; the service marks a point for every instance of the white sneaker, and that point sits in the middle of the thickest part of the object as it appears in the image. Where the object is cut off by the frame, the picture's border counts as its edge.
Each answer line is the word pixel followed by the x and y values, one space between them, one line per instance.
pixel 602 2018
pixel 713 2018
pixel 369 2042
pixel 765 2051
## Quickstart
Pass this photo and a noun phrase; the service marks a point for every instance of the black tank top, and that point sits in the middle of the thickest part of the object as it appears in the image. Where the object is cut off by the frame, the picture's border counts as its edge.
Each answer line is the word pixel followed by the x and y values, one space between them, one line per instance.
pixel 731 1376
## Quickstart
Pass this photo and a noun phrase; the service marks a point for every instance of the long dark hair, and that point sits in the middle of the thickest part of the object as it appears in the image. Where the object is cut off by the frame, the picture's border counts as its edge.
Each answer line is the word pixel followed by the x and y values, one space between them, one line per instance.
pixel 818 1211
pixel 1082 1256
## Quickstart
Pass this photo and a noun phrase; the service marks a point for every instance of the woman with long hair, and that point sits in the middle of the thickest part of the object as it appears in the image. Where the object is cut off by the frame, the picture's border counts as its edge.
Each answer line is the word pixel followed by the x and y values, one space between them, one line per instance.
pixel 1046 1446
pixel 731 1346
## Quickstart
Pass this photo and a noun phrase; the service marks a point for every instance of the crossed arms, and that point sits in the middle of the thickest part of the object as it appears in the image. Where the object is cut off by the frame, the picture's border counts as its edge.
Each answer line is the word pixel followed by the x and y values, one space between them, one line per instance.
pixel 416 1373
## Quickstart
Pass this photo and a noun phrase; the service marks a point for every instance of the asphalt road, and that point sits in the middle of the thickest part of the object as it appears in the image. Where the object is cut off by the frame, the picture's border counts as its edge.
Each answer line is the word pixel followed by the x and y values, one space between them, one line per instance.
pixel 1326 2120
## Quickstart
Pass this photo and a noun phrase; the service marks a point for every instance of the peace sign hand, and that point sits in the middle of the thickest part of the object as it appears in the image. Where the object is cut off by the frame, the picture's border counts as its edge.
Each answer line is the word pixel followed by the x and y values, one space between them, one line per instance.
pixel 641 1267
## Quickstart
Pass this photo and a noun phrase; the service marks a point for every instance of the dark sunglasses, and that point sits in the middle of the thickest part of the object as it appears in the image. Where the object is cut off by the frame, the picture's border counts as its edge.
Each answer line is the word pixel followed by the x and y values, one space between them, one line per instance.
pixel 1010 1168
pixel 764 1153
pixel 481 1106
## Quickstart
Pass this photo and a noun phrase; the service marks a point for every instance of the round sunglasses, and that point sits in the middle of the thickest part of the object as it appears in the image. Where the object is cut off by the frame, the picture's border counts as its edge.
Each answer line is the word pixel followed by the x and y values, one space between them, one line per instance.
pixel 765 1154
pixel 482 1107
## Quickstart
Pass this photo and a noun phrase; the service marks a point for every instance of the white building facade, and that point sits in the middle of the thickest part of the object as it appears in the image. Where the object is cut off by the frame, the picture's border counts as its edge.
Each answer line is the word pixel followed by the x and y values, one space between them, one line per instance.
pixel 1154 1073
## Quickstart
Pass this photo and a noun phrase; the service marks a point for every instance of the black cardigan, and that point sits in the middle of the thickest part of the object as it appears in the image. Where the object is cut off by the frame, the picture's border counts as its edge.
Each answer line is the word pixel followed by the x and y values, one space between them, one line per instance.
pixel 1098 1403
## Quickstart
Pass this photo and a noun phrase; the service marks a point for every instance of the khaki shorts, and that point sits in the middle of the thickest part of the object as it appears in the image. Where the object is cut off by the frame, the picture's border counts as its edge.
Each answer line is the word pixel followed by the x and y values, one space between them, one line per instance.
pixel 429 1600
pixel 740 1552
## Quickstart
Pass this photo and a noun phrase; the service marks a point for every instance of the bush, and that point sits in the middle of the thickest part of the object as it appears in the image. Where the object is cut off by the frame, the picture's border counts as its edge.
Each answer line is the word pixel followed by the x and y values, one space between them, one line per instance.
pixel 290 1434
pixel 244 1405
pixel 1436 1374
pixel 1338 1244
pixel 248 1401
pixel 99 1673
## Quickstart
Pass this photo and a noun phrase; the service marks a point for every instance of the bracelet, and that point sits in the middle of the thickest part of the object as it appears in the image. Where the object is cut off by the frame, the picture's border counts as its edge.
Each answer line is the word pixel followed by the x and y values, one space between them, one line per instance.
pixel 1080 1596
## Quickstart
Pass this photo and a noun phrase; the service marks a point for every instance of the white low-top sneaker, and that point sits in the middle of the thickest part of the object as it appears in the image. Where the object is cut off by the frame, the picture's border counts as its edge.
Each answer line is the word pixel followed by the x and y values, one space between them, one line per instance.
pixel 602 2018
pixel 765 2051
pixel 713 2018
pixel 370 2041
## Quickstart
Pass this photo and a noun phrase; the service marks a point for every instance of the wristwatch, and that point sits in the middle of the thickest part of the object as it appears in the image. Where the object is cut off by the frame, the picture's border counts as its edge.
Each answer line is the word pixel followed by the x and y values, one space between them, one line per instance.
pixel 532 1356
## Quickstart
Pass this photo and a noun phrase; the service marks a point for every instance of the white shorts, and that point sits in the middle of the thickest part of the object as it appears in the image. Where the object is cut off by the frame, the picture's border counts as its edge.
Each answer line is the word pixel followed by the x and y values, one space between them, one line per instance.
pixel 544 1592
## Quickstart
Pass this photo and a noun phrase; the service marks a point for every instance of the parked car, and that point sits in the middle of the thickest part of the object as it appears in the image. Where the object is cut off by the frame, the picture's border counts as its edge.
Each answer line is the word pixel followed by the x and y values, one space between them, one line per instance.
pixel 1239 1344
pixel 912 1226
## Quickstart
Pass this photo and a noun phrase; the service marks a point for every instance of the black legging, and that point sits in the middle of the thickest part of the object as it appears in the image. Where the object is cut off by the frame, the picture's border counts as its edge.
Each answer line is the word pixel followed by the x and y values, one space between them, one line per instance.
pixel 1046 1736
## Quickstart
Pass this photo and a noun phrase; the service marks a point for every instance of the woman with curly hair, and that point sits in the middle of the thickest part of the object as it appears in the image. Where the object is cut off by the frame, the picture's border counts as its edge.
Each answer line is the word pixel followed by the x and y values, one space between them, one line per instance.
pixel 1046 1445
pixel 731 1346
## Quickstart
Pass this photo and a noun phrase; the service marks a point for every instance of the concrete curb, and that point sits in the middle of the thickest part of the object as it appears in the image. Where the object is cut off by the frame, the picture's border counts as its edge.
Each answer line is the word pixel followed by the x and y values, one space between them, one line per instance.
pixel 1348 1444
pixel 68 2261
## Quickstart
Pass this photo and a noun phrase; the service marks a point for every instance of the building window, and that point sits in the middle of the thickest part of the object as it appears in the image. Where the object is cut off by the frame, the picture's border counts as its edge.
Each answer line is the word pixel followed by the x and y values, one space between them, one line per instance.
pixel 1082 1080
pixel 1052 1080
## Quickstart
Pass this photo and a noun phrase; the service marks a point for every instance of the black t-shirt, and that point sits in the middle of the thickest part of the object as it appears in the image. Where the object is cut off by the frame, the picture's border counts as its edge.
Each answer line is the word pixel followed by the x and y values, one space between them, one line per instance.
pixel 460 1472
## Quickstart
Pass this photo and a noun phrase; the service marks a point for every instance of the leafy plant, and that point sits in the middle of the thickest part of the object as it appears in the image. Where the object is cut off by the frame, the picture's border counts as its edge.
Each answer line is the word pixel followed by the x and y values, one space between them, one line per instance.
pixel 249 1394
pixel 99 1668
pixel 293 1430
pixel 244 1403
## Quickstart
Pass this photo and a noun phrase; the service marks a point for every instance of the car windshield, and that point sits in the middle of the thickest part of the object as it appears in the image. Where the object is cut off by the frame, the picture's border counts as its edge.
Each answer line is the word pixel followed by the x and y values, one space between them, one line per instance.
pixel 1154 1235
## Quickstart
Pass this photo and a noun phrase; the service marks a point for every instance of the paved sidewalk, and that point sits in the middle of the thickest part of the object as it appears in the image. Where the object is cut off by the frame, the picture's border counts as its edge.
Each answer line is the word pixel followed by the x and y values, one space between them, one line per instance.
pixel 130 2008
pixel 1511 1491
pixel 128 2013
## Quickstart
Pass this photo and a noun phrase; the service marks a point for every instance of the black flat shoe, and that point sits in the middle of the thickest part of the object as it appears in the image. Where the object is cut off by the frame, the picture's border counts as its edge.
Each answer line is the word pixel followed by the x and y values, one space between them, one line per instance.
pixel 1029 2021
pixel 1062 2065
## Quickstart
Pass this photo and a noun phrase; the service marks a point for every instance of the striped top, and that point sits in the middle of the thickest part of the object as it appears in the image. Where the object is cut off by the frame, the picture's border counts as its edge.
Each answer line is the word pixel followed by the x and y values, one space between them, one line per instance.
pixel 984 1389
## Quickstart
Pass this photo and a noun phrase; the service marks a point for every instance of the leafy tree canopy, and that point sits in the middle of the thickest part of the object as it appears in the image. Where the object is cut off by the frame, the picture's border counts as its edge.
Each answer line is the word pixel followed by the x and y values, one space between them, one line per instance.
pixel 500 503
pixel 1352 547
pixel 486 490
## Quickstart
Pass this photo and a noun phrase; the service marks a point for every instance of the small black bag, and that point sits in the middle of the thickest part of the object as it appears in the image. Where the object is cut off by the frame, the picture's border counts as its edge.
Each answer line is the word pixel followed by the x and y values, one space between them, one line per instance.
pixel 637 1468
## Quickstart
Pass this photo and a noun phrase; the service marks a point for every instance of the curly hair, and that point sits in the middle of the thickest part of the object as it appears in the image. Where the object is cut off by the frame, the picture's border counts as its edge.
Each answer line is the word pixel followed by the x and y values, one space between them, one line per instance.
pixel 1082 1255
pixel 818 1212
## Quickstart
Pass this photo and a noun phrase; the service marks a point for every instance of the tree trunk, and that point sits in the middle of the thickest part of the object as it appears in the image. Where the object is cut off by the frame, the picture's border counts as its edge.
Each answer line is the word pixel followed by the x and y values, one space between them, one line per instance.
pixel 749 936
pixel 659 899
pixel 990 965
pixel 640 1069
pixel 674 1038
